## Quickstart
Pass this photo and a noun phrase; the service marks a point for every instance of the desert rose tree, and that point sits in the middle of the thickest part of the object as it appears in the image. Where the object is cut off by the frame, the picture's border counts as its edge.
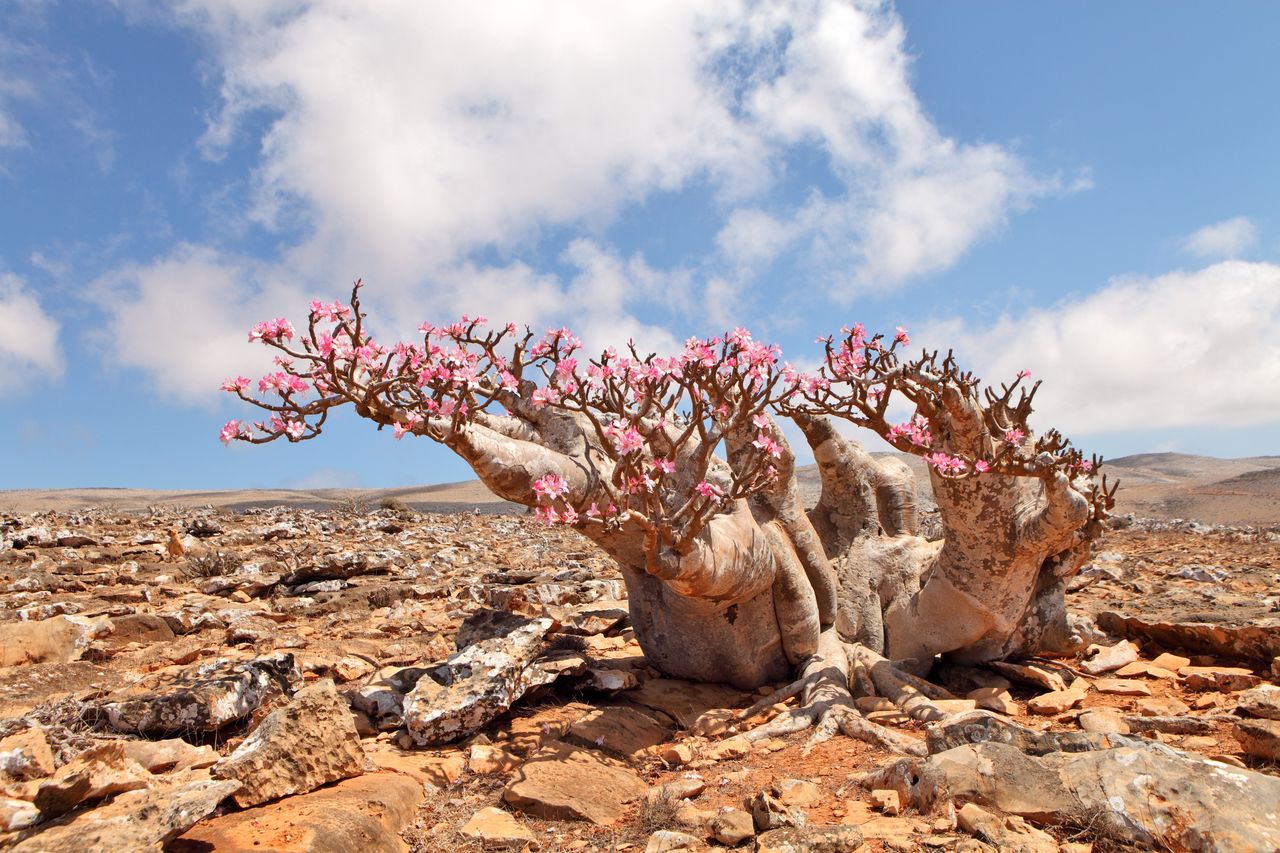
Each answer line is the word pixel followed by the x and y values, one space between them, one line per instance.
pixel 675 466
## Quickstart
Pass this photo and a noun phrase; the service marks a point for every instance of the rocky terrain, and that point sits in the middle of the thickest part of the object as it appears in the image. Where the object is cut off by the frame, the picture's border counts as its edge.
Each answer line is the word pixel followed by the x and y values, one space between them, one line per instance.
pixel 375 678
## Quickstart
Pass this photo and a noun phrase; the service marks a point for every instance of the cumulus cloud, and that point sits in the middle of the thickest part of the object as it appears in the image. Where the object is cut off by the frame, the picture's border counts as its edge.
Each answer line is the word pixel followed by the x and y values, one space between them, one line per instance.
pixel 466 157
pixel 1226 239
pixel 183 319
pixel 1193 348
pixel 29 349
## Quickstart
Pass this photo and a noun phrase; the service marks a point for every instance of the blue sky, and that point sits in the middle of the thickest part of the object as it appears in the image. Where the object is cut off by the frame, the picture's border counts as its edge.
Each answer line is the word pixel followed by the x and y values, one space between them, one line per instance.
pixel 1085 190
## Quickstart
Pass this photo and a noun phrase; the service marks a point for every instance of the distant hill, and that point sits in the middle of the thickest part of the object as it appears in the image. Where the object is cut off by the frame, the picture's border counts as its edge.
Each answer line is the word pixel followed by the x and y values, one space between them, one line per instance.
pixel 1158 485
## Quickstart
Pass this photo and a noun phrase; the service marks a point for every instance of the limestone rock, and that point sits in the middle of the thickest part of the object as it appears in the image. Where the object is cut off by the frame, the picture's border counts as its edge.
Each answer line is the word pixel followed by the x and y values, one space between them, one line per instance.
pixel 1057 702
pixel 817 839
pixel 667 841
pixel 1104 721
pixel 562 782
pixel 1161 706
pixel 98 772
pixel 1261 701
pixel 620 730
pixel 887 802
pixel 135 820
pixel 1228 679
pixel 1259 738
pixel 486 758
pixel 475 685
pixel 768 812
pixel 1012 834
pixel 202 698
pixel 1107 659
pixel 1121 687
pixel 364 814
pixel 494 826
pixel 307 743
pixel 797 792
pixel 734 747
pixel 996 699
pixel 731 827
pixel 173 754
pixel 17 814
pixel 683 701
pixel 26 755
pixel 62 639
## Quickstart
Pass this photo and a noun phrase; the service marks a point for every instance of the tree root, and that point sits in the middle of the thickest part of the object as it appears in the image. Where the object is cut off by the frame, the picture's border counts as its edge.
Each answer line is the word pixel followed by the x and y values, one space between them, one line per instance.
pixel 826 706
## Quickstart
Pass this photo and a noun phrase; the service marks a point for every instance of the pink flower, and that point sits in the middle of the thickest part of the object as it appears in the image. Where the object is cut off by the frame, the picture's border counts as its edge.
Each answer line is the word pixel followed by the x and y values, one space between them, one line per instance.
pixel 707 490
pixel 1024 374
pixel 551 486
pixel 543 396
pixel 240 383
pixel 981 466
pixel 294 429
pixel 1014 436
pixel 232 430
pixel 901 336
pixel 768 445
pixel 664 466
pixel 761 421
pixel 568 515
pixel 546 515
pixel 945 463
pixel 272 331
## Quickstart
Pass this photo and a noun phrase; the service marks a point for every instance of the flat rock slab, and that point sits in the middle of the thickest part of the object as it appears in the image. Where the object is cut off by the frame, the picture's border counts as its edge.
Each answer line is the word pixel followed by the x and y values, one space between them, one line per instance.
pixel 566 782
pixel 298 747
pixel 62 639
pixel 620 730
pixel 136 820
pixel 1257 640
pixel 684 701
pixel 360 815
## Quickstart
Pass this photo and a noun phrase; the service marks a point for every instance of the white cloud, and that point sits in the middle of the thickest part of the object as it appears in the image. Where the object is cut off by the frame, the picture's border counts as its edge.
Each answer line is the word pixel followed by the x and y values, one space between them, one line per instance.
pixel 470 157
pixel 1229 238
pixel 29 350
pixel 184 319
pixel 1199 348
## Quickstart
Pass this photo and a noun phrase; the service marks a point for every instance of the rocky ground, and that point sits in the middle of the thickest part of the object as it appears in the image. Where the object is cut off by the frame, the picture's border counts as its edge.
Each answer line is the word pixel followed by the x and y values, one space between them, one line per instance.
pixel 382 679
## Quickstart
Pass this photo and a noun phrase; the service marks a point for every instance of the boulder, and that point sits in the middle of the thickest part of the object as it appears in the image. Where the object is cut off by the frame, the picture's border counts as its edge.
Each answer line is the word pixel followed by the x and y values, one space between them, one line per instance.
pixel 667 841
pixel 364 814
pixel 475 685
pixel 309 742
pixel 202 698
pixel 565 782
pixel 95 773
pixel 731 827
pixel 62 639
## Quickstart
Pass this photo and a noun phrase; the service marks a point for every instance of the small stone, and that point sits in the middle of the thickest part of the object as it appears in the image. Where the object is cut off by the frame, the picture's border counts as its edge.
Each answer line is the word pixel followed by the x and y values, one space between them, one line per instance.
pixel 735 747
pixel 1199 742
pixel 1161 706
pixel 1106 659
pixel 677 755
pixel 494 826
pixel 667 841
pixel 731 827
pixel 867 704
pixel 1104 721
pixel 1259 738
pixel 1143 667
pixel 817 839
pixel 351 668
pixel 768 812
pixel 678 789
pixel 714 723
pixel 1057 702
pixel 996 699
pixel 1122 687
pixel 797 792
pixel 955 706
pixel 486 758
pixel 1171 661
pixel 887 801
